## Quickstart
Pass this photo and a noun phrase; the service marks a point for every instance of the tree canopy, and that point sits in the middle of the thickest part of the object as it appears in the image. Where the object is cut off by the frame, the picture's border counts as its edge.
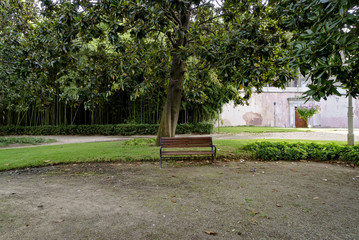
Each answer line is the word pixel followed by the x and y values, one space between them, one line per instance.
pixel 325 43
pixel 232 45
pixel 199 53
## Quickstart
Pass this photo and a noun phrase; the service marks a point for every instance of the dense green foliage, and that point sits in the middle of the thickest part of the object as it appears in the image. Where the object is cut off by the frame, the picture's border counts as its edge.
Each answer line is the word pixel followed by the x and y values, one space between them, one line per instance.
pixel 325 43
pixel 274 151
pixel 106 129
pixel 74 62
pixel 52 75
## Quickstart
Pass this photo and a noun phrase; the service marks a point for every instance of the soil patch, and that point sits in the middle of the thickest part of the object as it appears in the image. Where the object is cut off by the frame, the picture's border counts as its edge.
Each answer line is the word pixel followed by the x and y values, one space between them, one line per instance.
pixel 238 200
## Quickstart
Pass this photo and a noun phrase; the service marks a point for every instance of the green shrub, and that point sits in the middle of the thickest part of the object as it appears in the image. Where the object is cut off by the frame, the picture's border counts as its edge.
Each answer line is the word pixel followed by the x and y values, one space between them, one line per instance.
pixel 294 153
pixel 109 129
pixel 273 151
pixel 268 153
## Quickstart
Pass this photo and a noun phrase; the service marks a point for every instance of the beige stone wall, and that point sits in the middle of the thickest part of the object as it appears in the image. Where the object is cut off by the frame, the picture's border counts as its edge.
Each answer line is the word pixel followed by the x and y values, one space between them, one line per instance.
pixel 276 108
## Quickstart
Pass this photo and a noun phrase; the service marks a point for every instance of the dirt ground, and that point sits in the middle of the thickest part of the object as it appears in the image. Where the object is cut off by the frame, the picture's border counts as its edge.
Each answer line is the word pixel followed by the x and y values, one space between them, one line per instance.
pixel 237 200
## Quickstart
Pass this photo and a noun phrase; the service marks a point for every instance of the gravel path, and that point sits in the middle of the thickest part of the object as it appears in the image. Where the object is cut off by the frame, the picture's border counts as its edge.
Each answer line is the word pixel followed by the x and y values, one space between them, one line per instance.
pixel 313 134
pixel 279 201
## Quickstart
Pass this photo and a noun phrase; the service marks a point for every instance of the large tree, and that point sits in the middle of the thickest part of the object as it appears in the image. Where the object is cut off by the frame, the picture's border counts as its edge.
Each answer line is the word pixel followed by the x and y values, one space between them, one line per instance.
pixel 200 50
pixel 234 41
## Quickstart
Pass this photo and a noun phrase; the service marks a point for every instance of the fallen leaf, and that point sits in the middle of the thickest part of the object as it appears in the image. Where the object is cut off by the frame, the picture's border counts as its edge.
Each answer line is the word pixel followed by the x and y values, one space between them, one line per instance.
pixel 325 180
pixel 238 171
pixel 210 233
pixel 254 221
pixel 67 169
pixel 6 164
pixel 274 190
pixel 293 170
pixel 278 205
pixel 47 161
pixel 59 221
pixel 173 196
pixel 316 198
pixel 254 212
pixel 27 225
pixel 173 201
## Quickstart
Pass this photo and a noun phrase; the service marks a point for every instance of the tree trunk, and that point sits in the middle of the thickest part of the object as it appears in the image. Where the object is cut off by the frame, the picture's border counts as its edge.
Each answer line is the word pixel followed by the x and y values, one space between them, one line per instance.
pixel 172 106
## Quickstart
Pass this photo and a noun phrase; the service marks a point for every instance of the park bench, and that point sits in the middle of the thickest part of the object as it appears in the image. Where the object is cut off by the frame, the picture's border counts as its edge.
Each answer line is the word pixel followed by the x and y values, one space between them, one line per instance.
pixel 184 146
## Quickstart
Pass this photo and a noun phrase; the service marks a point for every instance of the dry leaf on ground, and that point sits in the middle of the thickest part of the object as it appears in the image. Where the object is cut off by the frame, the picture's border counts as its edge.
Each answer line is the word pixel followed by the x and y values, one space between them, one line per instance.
pixel 254 212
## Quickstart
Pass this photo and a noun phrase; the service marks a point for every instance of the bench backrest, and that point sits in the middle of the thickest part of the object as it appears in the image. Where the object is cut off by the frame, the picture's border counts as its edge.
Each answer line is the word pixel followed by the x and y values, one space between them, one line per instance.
pixel 181 142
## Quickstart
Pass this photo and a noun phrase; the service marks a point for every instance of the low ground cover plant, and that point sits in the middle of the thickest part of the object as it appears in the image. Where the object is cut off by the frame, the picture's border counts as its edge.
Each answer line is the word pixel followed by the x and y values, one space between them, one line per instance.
pixel 273 151
pixel 4 141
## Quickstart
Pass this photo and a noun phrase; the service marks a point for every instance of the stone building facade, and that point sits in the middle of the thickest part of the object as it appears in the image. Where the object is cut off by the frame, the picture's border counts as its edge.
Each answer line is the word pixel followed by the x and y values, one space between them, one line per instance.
pixel 277 107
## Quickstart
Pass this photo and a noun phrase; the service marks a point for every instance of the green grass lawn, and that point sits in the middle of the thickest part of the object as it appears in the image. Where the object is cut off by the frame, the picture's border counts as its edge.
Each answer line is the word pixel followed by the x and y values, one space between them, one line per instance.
pixel 255 129
pixel 126 151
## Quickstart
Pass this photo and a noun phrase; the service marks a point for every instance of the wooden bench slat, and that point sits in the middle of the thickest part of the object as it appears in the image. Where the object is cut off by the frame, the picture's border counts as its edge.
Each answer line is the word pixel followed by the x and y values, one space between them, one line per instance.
pixel 187 153
pixel 187 143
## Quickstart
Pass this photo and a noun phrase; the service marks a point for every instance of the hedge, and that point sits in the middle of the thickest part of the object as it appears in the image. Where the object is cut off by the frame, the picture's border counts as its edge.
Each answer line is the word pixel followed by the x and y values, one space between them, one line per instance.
pixel 109 129
pixel 273 151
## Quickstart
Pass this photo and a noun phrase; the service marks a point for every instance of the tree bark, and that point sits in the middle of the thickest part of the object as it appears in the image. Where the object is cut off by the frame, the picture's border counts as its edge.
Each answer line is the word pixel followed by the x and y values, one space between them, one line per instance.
pixel 172 106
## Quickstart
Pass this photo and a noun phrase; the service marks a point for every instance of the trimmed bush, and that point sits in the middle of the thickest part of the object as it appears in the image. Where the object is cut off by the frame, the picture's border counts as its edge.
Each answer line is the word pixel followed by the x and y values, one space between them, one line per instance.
pixel 109 129
pixel 271 151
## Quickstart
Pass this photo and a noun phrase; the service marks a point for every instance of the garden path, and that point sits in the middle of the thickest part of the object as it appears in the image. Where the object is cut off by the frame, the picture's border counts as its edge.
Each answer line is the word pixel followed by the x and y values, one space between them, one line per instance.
pixel 312 134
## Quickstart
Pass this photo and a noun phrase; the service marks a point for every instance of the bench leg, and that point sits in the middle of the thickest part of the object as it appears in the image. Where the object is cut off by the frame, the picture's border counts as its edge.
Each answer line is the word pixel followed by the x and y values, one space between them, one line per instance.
pixel 160 161
pixel 214 159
